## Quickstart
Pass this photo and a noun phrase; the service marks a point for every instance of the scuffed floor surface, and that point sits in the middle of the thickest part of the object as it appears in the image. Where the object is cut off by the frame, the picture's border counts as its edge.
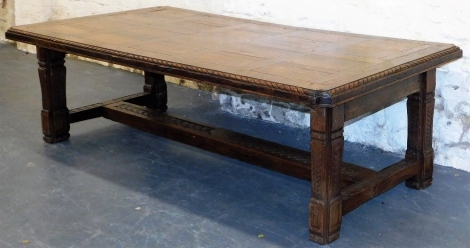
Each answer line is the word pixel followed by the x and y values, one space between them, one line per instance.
pixel 113 186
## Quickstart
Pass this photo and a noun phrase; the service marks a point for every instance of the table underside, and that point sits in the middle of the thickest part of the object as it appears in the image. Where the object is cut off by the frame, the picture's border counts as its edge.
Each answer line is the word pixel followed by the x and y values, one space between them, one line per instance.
pixel 358 184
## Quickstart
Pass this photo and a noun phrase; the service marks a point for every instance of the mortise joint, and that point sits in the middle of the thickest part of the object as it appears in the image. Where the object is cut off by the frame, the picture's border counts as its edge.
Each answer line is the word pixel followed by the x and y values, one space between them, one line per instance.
pixel 322 99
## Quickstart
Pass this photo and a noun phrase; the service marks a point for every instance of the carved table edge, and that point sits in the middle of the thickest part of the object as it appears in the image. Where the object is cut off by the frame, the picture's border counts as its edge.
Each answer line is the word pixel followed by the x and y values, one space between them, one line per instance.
pixel 317 98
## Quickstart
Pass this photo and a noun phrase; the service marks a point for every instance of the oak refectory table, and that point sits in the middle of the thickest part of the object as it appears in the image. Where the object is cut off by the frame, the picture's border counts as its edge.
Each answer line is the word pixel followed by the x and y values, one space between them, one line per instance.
pixel 339 76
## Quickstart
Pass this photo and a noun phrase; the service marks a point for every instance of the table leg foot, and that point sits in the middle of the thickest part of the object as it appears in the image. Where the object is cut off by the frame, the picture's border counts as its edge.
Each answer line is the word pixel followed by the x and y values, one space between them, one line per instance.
pixel 420 108
pixel 50 122
pixel 55 115
pixel 325 220
pixel 52 140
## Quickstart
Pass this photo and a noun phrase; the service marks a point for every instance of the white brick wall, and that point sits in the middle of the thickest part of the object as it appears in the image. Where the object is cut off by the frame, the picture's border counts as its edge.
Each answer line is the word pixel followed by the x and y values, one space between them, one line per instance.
pixel 431 20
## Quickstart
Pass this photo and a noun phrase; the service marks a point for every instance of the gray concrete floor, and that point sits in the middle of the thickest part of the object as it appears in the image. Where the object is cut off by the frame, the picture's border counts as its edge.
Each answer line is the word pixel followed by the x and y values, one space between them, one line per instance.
pixel 113 186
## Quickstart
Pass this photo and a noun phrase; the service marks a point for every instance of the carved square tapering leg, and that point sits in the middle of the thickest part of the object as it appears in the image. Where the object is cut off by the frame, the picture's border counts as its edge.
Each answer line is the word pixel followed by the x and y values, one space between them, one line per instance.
pixel 155 85
pixel 54 115
pixel 420 117
pixel 326 145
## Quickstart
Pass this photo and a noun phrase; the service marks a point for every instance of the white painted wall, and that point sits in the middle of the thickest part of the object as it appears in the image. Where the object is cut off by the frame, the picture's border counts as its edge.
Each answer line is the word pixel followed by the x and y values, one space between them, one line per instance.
pixel 7 18
pixel 431 20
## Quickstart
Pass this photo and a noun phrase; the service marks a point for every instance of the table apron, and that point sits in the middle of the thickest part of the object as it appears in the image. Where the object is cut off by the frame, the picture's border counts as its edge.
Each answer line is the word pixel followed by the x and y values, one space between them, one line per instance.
pixel 381 98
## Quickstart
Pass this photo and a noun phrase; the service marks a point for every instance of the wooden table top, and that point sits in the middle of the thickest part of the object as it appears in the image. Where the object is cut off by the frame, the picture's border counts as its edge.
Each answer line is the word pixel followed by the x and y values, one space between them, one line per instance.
pixel 297 63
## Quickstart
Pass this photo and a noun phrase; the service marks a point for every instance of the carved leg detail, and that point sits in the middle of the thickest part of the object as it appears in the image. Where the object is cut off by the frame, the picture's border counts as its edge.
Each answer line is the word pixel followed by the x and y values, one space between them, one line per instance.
pixel 155 85
pixel 420 117
pixel 326 145
pixel 55 115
